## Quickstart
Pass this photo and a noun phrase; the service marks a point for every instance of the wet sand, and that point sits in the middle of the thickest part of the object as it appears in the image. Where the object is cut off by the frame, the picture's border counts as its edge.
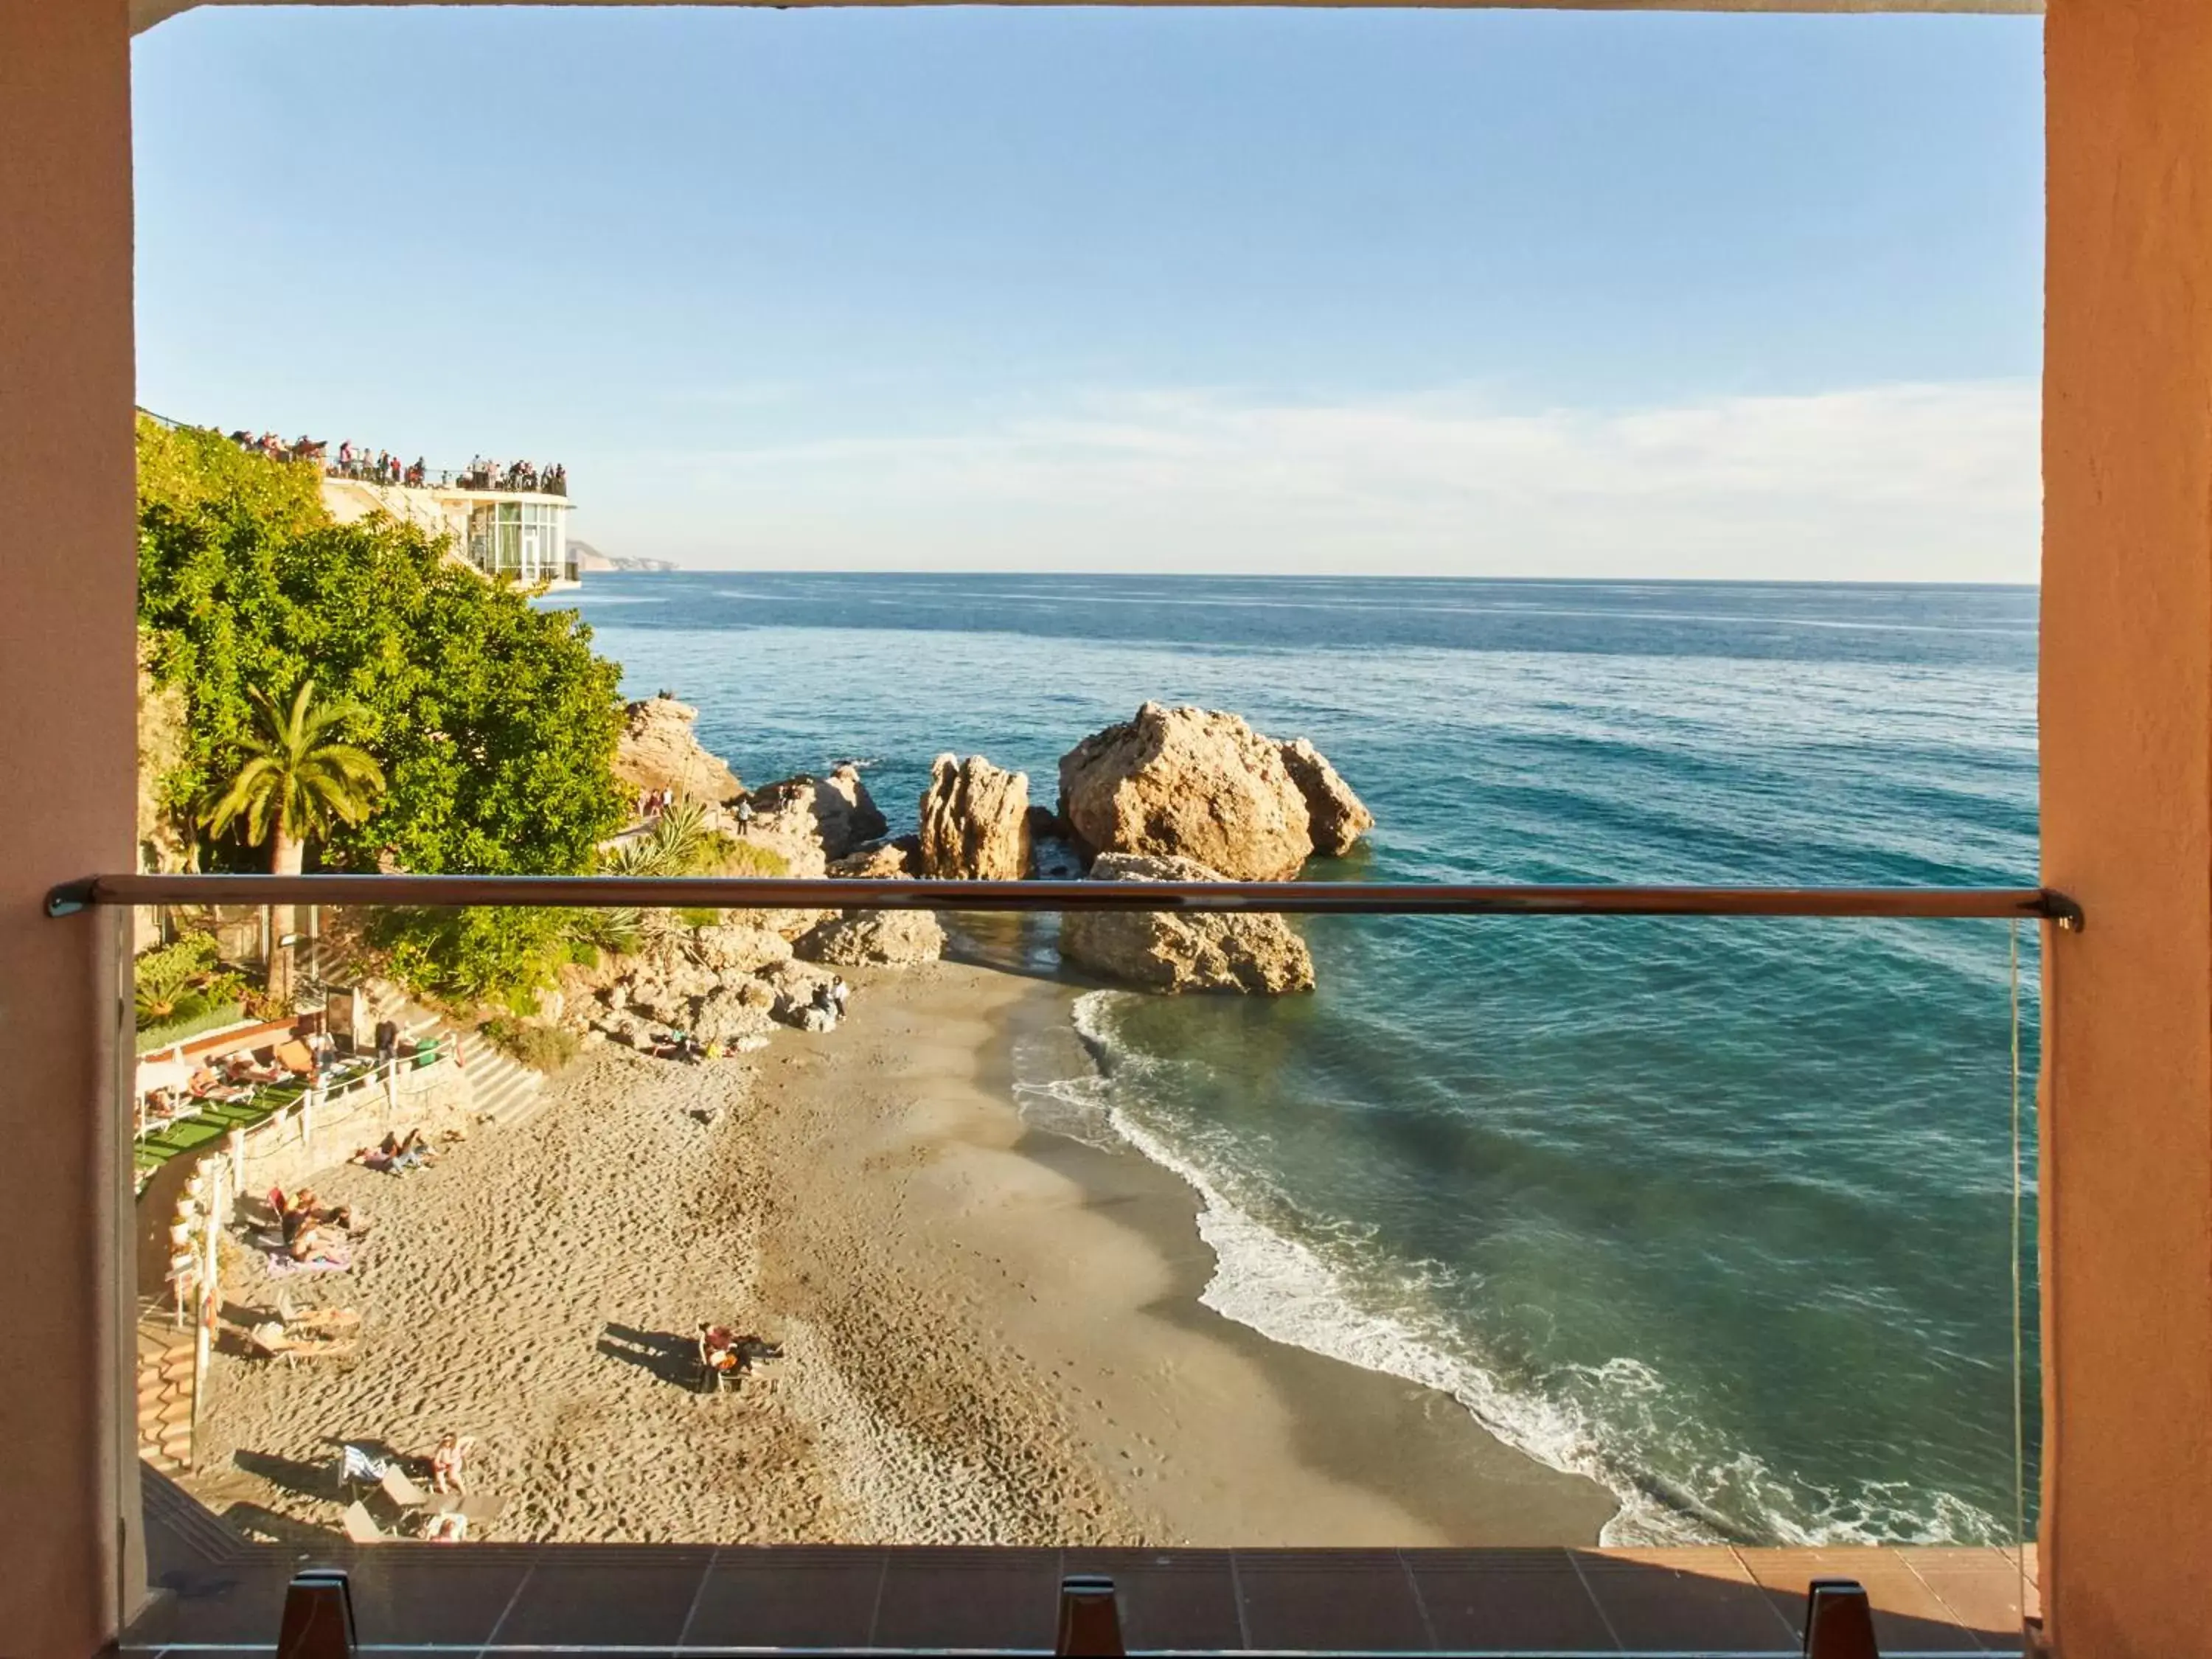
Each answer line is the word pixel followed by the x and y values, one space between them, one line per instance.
pixel 1087 1266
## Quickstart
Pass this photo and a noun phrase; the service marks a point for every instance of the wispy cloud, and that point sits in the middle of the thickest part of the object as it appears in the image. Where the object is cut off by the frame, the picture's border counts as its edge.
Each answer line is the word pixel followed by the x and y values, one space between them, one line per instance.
pixel 1879 483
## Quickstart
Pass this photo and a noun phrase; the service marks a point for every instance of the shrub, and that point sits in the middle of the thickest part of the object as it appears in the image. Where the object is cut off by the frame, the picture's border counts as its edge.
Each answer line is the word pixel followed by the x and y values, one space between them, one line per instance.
pixel 542 1048
pixel 503 955
pixel 176 982
pixel 745 858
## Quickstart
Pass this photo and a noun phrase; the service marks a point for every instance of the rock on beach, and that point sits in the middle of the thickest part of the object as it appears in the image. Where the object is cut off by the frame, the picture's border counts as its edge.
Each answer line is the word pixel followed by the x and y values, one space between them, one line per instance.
pixel 890 938
pixel 974 821
pixel 1177 950
pixel 809 823
pixel 892 859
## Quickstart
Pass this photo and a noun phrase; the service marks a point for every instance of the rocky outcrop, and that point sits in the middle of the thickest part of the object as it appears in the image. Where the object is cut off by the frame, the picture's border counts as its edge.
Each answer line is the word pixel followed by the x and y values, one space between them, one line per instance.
pixel 794 985
pixel 726 1017
pixel 734 949
pixel 890 938
pixel 727 985
pixel 659 749
pixel 881 860
pixel 974 822
pixel 1177 950
pixel 1335 817
pixel 1188 783
pixel 849 817
pixel 809 822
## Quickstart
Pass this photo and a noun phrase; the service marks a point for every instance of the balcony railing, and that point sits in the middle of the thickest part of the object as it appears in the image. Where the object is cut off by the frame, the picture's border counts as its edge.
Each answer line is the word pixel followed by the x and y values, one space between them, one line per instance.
pixel 1721 1596
pixel 1278 898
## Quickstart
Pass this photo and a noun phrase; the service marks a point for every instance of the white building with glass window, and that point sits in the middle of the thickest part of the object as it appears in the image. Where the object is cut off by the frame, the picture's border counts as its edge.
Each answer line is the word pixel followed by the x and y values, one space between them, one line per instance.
pixel 524 538
pixel 515 536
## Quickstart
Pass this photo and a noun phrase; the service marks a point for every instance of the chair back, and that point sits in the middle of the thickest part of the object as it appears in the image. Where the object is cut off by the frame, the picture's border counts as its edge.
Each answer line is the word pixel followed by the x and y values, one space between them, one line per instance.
pixel 361 1526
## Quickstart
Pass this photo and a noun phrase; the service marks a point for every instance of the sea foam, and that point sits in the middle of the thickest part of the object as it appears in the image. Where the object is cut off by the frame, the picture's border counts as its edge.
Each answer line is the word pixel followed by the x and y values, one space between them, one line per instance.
pixel 1289 1292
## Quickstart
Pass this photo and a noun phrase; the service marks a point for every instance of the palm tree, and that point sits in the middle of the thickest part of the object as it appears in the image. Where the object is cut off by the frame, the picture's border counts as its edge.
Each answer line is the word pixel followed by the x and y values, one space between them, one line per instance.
pixel 294 784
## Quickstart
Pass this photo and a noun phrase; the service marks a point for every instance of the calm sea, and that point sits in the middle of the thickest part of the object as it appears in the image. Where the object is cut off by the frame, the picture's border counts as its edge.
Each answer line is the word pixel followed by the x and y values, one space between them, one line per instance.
pixel 1717 1211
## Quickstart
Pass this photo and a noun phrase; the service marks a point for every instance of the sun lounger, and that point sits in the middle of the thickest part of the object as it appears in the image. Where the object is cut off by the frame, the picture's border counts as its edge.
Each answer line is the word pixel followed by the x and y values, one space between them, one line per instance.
pixel 402 1490
pixel 277 1344
pixel 321 1321
pixel 361 1526
pixel 482 1507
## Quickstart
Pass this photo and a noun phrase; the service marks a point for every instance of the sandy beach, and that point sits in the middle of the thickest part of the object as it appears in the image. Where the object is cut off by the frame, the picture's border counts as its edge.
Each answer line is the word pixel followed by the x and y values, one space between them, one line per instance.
pixel 991 1334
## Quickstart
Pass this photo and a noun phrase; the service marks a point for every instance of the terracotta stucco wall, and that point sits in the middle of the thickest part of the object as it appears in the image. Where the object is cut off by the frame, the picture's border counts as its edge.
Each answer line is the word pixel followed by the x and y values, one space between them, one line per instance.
pixel 2127 813
pixel 2127 826
pixel 67 742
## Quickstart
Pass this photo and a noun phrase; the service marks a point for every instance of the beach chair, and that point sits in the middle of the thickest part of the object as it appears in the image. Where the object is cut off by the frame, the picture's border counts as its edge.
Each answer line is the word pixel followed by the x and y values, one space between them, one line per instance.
pixel 356 1468
pixel 323 1322
pixel 273 1342
pixel 361 1526
pixel 402 1490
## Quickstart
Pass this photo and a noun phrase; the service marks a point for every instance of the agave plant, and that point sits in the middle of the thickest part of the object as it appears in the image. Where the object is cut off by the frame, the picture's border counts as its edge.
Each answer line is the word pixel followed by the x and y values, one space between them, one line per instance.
pixel 171 982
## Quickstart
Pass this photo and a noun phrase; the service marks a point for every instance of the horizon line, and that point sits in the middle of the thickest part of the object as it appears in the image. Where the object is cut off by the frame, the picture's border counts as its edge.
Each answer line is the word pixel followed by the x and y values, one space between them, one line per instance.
pixel 676 569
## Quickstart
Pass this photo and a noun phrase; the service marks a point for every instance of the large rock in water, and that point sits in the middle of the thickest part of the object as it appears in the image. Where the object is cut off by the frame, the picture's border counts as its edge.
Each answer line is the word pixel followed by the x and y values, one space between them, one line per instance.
pixel 1335 817
pixel 658 750
pixel 1188 783
pixel 974 822
pixel 890 938
pixel 1183 951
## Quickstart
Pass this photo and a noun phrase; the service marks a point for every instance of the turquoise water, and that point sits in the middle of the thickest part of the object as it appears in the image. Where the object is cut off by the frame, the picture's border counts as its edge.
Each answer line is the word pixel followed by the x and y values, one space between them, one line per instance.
pixel 1717 1211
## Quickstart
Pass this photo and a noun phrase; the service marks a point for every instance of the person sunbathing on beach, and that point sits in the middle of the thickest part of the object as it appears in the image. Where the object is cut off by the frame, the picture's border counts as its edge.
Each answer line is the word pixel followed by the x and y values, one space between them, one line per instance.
pixel 313 1241
pixel 302 1210
pixel 397 1154
pixel 446 1474
pixel 208 1084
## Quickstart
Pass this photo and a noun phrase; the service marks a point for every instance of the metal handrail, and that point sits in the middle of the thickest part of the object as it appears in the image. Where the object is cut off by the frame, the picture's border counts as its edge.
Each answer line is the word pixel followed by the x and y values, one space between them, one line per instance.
pixel 1268 897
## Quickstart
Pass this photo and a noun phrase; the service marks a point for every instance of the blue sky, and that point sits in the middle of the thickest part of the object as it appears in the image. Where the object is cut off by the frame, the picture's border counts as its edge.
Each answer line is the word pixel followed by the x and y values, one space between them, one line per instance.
pixel 1487 293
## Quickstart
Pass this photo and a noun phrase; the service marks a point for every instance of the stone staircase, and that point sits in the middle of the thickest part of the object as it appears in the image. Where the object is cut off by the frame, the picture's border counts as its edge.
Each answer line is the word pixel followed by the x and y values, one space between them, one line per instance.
pixel 164 1377
pixel 502 1090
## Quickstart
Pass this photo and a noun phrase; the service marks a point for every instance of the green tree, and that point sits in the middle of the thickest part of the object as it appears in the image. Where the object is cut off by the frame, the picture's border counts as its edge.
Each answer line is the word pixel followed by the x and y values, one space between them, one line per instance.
pixel 296 784
pixel 494 722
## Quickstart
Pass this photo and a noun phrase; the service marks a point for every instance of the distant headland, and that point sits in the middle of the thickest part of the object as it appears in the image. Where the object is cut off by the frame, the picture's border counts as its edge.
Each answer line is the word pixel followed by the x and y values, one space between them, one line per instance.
pixel 590 558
